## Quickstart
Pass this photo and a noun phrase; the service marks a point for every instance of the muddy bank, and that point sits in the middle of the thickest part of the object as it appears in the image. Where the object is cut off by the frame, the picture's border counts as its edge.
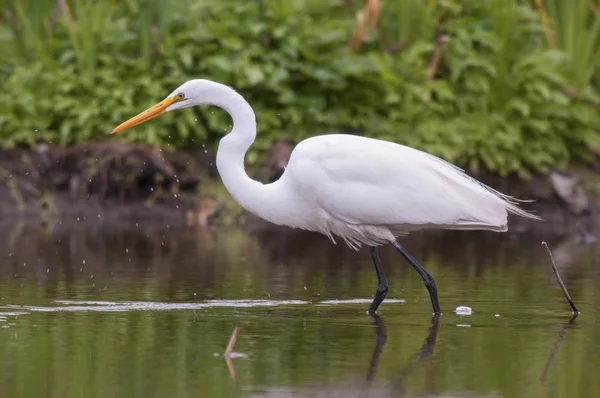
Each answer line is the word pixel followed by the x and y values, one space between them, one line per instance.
pixel 118 182
pixel 113 180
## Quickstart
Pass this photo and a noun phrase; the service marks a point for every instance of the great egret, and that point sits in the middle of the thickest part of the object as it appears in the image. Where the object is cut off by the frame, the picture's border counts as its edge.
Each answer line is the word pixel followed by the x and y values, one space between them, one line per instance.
pixel 364 190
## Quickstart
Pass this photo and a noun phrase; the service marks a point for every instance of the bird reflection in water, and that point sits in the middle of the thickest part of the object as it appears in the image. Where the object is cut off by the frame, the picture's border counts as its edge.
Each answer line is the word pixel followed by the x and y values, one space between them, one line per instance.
pixel 424 353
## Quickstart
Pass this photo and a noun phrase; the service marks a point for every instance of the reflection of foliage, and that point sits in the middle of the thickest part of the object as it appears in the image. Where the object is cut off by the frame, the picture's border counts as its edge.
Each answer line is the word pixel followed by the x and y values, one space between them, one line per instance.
pixel 497 100
pixel 170 353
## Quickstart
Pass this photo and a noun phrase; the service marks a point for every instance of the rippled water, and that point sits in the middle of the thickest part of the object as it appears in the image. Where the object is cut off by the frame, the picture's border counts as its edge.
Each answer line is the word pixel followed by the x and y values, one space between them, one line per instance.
pixel 147 311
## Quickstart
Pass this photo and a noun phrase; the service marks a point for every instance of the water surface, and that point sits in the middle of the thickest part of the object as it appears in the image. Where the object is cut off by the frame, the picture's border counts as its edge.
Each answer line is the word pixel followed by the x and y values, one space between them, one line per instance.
pixel 146 310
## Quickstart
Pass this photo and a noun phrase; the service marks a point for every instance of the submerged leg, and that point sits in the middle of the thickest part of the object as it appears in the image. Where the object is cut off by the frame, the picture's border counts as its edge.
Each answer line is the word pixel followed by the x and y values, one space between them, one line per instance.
pixel 382 285
pixel 427 278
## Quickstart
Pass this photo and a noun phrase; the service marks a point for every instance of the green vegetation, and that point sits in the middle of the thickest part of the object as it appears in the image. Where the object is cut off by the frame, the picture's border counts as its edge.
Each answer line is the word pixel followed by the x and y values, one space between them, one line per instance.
pixel 513 92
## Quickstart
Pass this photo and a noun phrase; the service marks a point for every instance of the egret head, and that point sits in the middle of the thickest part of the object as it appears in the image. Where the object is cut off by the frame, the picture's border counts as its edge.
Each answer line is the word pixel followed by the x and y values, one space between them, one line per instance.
pixel 190 93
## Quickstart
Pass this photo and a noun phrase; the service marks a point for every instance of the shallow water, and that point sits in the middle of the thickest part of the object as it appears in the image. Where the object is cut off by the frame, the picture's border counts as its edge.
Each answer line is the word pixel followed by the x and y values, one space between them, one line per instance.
pixel 147 311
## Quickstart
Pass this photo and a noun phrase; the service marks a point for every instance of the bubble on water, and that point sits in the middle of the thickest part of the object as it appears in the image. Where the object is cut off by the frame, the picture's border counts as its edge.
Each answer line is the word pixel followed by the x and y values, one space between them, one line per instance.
pixel 463 310
pixel 497 315
pixel 234 355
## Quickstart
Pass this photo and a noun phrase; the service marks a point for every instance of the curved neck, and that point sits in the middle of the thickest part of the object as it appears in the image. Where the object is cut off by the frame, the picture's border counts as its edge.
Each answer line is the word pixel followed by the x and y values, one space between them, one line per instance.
pixel 250 194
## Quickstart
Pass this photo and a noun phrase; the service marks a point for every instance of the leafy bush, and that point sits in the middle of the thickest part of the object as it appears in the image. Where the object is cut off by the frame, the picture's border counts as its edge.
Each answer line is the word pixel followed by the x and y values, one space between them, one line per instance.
pixel 575 29
pixel 497 99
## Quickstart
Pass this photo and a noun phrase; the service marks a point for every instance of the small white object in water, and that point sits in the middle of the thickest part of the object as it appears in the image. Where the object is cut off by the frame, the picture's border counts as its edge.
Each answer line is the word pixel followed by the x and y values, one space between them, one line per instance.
pixel 463 310
pixel 497 315
pixel 234 355
pixel 463 325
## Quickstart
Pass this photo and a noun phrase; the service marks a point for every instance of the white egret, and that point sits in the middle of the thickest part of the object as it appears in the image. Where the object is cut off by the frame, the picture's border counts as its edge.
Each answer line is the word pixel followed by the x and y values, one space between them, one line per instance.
pixel 364 190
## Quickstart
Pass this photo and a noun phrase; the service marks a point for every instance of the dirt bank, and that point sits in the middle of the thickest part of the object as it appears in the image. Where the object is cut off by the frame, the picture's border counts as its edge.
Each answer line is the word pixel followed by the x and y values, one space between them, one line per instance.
pixel 109 179
pixel 118 181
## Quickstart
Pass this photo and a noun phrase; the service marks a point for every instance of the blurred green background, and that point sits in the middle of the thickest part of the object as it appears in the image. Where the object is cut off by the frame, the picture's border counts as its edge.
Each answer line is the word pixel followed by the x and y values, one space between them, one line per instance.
pixel 507 86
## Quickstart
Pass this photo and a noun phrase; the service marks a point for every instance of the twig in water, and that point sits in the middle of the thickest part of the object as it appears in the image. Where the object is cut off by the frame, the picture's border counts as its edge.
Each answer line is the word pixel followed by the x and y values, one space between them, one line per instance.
pixel 228 352
pixel 232 341
pixel 559 279
pixel 555 348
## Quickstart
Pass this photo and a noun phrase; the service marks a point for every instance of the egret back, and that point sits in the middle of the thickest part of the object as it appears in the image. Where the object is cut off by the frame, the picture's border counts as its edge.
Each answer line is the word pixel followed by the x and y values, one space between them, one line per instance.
pixel 361 181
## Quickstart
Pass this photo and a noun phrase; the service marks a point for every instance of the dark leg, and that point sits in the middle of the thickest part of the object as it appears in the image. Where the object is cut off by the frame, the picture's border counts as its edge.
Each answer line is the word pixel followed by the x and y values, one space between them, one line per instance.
pixel 427 278
pixel 382 285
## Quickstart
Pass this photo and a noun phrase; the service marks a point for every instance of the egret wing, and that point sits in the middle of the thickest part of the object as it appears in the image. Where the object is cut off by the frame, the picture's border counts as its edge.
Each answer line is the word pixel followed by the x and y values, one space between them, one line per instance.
pixel 365 181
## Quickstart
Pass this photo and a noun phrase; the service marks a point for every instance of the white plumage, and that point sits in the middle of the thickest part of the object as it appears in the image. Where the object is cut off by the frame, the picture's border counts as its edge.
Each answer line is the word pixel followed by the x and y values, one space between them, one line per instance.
pixel 364 190
pixel 369 191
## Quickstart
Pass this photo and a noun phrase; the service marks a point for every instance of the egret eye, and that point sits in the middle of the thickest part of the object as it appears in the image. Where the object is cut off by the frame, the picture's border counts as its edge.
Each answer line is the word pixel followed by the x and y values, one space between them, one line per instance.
pixel 181 96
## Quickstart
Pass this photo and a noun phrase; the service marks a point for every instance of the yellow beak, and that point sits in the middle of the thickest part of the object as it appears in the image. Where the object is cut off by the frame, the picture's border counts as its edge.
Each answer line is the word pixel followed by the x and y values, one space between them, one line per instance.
pixel 148 114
